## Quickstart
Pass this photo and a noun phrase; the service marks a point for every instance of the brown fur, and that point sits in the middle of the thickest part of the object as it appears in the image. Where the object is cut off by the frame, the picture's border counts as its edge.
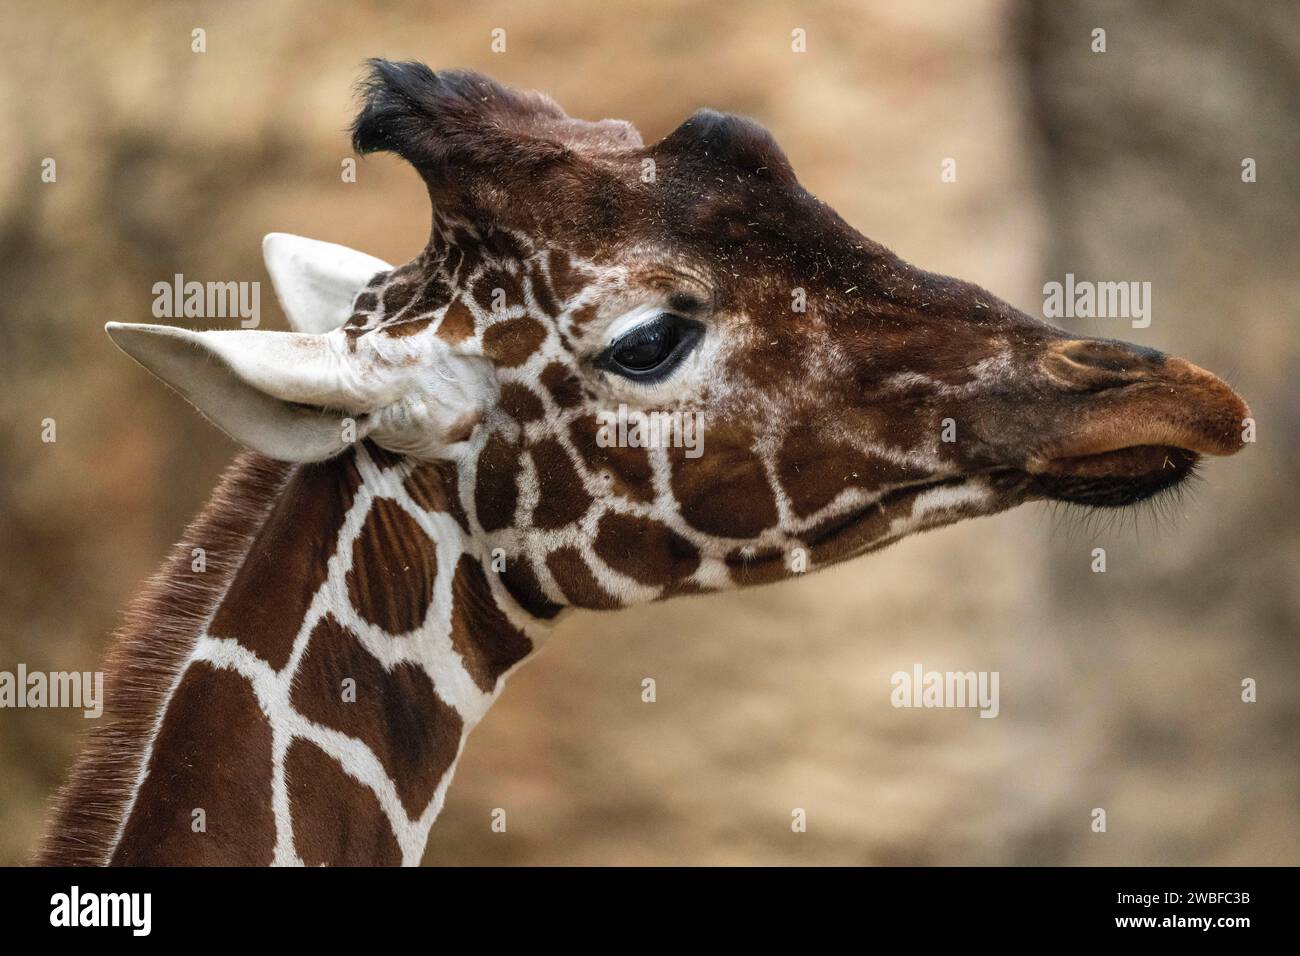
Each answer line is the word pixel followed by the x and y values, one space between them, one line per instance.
pixel 520 581
pixel 397 713
pixel 269 596
pixel 325 836
pixel 486 641
pixel 213 752
pixel 394 564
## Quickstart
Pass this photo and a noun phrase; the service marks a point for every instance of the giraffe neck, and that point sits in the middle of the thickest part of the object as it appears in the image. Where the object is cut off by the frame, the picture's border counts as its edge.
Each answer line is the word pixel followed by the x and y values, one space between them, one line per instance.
pixel 314 708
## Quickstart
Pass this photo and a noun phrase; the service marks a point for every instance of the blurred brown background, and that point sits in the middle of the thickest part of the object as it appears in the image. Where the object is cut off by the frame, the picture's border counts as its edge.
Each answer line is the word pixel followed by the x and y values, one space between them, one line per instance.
pixel 1119 690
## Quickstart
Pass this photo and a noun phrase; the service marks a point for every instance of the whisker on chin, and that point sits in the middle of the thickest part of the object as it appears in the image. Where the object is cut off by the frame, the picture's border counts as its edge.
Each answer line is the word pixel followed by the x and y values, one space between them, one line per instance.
pixel 1155 513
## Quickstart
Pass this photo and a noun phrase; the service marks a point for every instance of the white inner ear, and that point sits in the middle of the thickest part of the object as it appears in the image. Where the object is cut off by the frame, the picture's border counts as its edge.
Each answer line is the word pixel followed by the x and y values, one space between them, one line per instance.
pixel 317 282
pixel 300 397
pixel 277 428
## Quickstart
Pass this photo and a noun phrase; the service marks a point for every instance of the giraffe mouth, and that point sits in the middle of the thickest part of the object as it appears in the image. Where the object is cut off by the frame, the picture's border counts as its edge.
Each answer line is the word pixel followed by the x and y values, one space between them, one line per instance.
pixel 1113 478
pixel 1141 435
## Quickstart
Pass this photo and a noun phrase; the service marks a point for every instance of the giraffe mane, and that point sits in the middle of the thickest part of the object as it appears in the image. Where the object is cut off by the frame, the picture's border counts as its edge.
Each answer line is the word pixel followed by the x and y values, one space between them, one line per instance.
pixel 160 628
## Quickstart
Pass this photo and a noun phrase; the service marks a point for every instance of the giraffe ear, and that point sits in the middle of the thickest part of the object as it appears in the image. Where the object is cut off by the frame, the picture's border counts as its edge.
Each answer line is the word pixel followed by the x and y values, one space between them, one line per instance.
pixel 317 282
pixel 302 397
pixel 276 392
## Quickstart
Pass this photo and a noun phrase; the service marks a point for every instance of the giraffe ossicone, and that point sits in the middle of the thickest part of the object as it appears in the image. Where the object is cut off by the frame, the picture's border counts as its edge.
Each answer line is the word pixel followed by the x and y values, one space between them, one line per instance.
pixel 432 480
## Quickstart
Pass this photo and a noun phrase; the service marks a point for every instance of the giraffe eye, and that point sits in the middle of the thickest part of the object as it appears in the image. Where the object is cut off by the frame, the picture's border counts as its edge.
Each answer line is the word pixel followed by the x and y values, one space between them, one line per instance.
pixel 651 351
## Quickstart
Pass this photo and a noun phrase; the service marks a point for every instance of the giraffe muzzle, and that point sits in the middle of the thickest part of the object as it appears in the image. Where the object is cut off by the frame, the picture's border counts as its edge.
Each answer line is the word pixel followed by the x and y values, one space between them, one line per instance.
pixel 1129 422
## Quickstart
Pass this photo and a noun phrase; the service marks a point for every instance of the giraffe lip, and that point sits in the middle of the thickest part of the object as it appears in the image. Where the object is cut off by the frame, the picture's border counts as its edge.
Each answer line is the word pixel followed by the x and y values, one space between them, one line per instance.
pixel 1128 459
pixel 1101 444
pixel 1180 407
pixel 1132 459
pixel 1113 478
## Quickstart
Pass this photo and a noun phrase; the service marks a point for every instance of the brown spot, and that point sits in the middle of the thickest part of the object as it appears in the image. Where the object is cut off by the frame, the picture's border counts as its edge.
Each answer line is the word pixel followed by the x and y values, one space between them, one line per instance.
pixel 337 820
pixel 394 565
pixel 582 316
pixel 457 322
pixel 368 300
pixel 519 402
pixel 577 582
pixel 400 330
pixel 497 290
pixel 903 425
pixel 629 467
pixel 563 385
pixel 449 472
pixel 212 752
pixel 562 500
pixel 565 279
pixel 844 535
pixel 503 245
pixel 425 486
pixel 396 713
pixel 724 491
pixel 496 491
pixel 470 253
pixel 542 292
pixel 451 266
pixel 433 296
pixel 521 581
pixel 397 297
pixel 779 355
pixel 483 636
pixel 645 550
pixel 813 470
pixel 266 602
pixel 512 342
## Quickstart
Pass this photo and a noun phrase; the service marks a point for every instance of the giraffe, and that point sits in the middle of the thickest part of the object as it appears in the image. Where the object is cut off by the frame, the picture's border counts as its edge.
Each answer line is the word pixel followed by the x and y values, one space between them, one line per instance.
pixel 427 491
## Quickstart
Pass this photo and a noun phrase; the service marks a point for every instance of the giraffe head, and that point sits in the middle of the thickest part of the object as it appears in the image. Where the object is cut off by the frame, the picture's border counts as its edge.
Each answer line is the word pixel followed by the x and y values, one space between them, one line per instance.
pixel 648 370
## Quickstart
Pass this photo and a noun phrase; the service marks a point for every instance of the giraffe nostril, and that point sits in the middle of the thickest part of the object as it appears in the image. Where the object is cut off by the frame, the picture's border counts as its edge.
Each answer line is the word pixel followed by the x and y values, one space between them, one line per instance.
pixel 1101 363
pixel 1110 355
